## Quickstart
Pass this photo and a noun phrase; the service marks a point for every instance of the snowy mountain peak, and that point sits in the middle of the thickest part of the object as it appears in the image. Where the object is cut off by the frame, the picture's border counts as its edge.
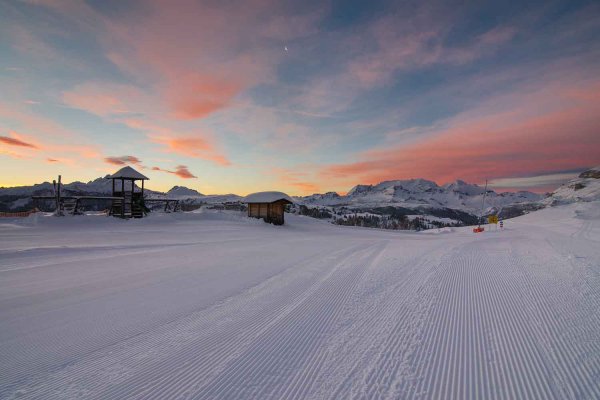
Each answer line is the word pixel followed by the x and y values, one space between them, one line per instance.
pixel 465 188
pixel 591 173
pixel 584 188
pixel 408 183
pixel 360 189
pixel 183 191
pixel 415 193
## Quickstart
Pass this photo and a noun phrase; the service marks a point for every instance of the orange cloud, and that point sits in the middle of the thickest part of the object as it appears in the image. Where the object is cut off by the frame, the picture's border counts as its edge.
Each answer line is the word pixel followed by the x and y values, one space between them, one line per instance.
pixel 198 96
pixel 181 171
pixel 298 178
pixel 306 187
pixel 196 147
pixel 12 141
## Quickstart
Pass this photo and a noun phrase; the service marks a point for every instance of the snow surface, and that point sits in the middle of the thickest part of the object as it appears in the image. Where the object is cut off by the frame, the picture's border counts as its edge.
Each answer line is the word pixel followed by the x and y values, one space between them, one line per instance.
pixel 212 305
pixel 267 197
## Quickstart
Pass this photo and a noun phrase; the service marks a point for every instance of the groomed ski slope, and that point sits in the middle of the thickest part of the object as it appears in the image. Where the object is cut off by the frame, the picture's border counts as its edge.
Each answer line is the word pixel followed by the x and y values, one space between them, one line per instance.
pixel 215 306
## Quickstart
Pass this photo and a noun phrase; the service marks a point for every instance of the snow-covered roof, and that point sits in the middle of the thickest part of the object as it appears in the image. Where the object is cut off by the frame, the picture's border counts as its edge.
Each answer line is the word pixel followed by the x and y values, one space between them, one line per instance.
pixel 267 197
pixel 128 173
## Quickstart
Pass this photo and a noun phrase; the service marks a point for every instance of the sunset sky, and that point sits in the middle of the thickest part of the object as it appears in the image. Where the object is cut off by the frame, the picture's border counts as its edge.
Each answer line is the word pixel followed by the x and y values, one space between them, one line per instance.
pixel 204 94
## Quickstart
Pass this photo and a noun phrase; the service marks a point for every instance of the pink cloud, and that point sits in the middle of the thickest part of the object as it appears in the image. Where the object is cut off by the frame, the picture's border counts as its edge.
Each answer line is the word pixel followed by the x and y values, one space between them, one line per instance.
pixel 549 131
pixel 181 171
pixel 13 140
pixel 197 96
pixel 306 187
pixel 300 179
pixel 196 147
pixel 106 99
pixel 204 70
pixel 123 160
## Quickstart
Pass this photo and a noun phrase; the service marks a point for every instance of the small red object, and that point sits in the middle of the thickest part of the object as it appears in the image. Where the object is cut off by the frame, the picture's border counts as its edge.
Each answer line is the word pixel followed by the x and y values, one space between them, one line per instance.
pixel 479 229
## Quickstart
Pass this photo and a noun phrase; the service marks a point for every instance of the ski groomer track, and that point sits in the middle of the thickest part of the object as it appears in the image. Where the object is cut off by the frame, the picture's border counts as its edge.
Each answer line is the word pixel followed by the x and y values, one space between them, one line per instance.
pixel 218 307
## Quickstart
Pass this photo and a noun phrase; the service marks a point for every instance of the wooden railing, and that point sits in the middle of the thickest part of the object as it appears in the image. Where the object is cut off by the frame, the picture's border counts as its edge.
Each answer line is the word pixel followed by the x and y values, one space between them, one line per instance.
pixel 18 214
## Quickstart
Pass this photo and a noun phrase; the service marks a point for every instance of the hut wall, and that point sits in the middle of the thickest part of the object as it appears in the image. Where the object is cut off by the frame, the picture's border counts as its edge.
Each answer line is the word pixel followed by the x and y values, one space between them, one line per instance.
pixel 270 212
pixel 253 210
pixel 264 210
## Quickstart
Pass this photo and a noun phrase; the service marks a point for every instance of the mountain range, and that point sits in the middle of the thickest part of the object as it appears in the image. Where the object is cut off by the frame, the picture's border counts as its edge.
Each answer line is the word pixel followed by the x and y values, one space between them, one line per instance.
pixel 415 193
pixel 458 202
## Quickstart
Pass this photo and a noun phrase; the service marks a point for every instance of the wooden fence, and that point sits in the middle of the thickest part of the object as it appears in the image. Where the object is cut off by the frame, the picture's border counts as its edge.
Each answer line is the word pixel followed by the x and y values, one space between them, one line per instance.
pixel 18 214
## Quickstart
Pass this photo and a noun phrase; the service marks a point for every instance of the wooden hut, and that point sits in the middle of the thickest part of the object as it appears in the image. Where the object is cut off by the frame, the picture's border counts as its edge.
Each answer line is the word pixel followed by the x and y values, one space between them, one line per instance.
pixel 130 202
pixel 269 206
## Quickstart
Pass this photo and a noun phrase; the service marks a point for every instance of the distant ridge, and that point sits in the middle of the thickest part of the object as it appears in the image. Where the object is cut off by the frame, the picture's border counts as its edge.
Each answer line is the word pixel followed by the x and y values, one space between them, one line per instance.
pixel 183 191
pixel 414 193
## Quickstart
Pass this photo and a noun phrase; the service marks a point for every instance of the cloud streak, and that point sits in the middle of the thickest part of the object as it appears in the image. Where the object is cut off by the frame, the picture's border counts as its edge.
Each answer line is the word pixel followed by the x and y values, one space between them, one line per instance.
pixel 123 160
pixel 546 180
pixel 13 141
pixel 191 146
pixel 181 171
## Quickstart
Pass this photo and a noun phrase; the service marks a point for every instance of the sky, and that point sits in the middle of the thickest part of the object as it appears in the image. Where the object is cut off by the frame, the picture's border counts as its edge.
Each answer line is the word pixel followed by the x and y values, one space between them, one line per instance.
pixel 300 96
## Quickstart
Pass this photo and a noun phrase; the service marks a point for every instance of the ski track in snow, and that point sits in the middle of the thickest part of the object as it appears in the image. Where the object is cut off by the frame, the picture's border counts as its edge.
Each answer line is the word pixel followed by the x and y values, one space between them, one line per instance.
pixel 224 309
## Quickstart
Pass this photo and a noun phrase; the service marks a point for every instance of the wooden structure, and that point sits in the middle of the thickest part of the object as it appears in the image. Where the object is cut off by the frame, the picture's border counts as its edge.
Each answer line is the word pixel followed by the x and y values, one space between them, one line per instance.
pixel 269 206
pixel 69 204
pixel 127 202
pixel 171 205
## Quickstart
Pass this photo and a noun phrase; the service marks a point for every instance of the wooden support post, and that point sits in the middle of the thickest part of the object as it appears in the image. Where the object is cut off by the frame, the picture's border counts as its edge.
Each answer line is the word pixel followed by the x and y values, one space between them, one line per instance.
pixel 123 195
pixel 55 196
pixel 59 184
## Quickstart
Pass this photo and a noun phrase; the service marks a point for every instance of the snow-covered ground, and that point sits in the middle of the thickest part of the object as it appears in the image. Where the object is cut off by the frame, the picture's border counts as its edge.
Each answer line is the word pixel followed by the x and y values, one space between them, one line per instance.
pixel 215 306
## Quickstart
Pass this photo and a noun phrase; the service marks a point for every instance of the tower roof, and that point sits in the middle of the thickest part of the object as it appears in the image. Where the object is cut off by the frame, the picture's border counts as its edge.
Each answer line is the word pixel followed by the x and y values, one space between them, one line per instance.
pixel 128 173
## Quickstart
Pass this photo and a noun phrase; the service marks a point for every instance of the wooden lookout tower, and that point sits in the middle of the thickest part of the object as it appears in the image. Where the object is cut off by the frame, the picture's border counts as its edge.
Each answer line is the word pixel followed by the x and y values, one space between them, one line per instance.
pixel 131 202
pixel 269 206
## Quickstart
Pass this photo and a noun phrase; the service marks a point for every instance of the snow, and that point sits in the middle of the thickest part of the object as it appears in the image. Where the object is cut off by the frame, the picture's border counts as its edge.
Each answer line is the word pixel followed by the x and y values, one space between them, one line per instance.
pixel 129 173
pixel 414 193
pixel 267 197
pixel 586 187
pixel 19 203
pixel 213 305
